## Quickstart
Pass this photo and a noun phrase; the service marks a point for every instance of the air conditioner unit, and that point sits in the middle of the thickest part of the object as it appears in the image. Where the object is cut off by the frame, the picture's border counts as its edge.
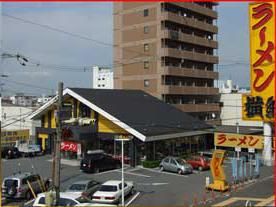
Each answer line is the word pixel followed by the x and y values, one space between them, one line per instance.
pixel 86 121
pixel 71 121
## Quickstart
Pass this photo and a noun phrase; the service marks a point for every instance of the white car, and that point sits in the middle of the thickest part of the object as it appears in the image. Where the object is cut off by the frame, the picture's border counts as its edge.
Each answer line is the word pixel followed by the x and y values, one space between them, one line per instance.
pixel 111 191
pixel 66 199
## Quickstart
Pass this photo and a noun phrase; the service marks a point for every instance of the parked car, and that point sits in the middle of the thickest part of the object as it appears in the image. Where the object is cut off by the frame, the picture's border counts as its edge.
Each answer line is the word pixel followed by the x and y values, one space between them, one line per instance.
pixel 28 149
pixel 111 191
pixel 16 186
pixel 98 161
pixel 66 199
pixel 175 164
pixel 10 152
pixel 207 154
pixel 199 162
pixel 84 188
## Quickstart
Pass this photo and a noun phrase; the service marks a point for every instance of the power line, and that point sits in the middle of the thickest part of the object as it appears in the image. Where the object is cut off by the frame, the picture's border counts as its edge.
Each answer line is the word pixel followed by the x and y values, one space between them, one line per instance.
pixel 58 30
pixel 27 84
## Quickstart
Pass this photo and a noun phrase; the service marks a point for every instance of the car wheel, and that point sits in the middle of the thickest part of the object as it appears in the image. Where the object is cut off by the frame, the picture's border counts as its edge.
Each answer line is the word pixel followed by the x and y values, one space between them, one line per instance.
pixel 179 171
pixel 47 185
pixel 161 168
pixel 200 168
pixel 118 166
pixel 119 200
pixel 97 170
pixel 28 195
pixel 6 157
pixel 132 191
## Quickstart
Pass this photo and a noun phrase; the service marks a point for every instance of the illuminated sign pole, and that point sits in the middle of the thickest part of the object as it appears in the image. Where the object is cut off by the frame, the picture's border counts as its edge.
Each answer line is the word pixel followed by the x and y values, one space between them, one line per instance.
pixel 123 139
pixel 259 105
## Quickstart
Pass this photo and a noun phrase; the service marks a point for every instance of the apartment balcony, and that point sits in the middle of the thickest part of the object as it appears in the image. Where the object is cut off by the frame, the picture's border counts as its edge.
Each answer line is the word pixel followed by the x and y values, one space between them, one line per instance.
pixel 190 22
pixel 198 107
pixel 188 72
pixel 189 90
pixel 200 57
pixel 192 39
pixel 197 8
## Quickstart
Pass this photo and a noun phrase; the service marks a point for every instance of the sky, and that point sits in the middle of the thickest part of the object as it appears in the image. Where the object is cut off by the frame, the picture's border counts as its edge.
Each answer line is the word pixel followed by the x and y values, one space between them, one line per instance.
pixel 55 56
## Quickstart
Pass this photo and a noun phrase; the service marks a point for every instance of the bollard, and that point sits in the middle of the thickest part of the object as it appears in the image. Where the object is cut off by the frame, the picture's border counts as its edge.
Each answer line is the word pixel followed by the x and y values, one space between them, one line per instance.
pixel 195 202
pixel 204 199
pixel 213 195
pixel 221 191
pixel 185 201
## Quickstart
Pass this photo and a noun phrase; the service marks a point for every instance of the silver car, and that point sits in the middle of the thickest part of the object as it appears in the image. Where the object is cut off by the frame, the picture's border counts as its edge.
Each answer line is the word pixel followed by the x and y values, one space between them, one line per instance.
pixel 16 186
pixel 175 164
pixel 84 188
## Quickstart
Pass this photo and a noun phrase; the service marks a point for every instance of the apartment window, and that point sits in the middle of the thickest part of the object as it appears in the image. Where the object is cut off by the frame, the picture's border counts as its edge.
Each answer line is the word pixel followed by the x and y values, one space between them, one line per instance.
pixel 146 64
pixel 146 83
pixel 146 47
pixel 146 12
pixel 146 29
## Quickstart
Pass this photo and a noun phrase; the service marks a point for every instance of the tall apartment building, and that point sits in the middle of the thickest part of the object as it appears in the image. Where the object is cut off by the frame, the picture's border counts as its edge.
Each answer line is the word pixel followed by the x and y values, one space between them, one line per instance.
pixel 168 50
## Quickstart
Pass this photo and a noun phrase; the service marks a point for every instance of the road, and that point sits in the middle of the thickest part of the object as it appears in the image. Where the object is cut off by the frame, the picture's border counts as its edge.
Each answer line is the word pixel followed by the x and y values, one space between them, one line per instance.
pixel 153 187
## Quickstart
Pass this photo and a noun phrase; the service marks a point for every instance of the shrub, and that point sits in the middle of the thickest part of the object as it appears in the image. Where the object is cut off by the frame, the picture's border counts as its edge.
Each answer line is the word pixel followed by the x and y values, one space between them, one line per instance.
pixel 151 163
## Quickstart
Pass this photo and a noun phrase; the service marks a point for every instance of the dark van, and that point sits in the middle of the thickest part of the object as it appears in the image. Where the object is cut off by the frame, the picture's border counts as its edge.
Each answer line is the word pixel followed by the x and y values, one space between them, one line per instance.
pixel 96 161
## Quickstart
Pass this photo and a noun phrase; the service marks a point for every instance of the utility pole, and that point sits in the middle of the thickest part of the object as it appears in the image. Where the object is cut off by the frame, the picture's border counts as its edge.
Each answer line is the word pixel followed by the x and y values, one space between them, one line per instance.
pixel 58 141
pixel 1 145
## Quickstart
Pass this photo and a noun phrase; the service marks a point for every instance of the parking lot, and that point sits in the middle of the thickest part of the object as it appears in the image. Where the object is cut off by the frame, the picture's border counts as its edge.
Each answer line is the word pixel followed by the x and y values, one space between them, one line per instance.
pixel 152 187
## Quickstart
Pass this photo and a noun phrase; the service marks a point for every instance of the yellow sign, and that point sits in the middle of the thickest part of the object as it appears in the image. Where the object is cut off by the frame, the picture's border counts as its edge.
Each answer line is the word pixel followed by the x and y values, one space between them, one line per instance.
pixel 216 163
pixel 11 136
pixel 260 105
pixel 239 140
pixel 219 179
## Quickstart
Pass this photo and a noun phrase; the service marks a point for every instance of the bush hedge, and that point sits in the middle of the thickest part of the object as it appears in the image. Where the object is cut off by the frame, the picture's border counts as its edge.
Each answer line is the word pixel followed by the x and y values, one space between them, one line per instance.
pixel 151 163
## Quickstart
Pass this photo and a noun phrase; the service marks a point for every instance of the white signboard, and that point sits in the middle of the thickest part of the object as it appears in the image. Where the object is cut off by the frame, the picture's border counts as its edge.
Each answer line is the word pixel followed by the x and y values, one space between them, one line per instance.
pixel 237 149
pixel 251 150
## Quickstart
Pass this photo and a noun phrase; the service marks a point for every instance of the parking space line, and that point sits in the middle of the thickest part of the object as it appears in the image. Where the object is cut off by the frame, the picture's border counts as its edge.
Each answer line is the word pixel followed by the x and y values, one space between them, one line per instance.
pixel 105 172
pixel 27 203
pixel 167 173
pixel 130 173
pixel 133 169
pixel 132 199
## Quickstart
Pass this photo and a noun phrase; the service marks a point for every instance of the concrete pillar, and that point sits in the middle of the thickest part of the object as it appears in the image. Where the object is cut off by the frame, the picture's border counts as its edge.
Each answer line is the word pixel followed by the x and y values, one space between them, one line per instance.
pixel 267 151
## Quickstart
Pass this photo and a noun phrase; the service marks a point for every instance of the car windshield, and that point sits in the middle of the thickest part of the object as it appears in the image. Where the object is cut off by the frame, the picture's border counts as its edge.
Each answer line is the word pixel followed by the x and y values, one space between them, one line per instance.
pixel 108 188
pixel 11 182
pixel 77 187
pixel 83 200
pixel 181 161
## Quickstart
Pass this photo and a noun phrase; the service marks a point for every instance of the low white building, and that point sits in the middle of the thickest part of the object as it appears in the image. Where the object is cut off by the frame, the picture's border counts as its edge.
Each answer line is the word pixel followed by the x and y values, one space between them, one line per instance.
pixel 22 100
pixel 44 99
pixel 231 111
pixel 15 117
pixel 102 78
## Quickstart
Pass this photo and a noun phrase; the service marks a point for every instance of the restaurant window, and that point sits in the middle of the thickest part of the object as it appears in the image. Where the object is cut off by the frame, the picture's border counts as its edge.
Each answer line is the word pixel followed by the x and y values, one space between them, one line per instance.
pixel 85 111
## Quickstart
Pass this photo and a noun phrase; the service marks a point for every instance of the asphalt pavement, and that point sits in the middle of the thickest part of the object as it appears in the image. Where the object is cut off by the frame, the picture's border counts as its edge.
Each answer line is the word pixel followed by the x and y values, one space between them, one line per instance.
pixel 153 188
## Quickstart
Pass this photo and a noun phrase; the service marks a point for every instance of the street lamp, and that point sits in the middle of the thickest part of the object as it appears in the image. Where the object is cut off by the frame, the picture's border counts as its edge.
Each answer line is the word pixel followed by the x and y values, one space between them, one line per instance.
pixel 123 139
